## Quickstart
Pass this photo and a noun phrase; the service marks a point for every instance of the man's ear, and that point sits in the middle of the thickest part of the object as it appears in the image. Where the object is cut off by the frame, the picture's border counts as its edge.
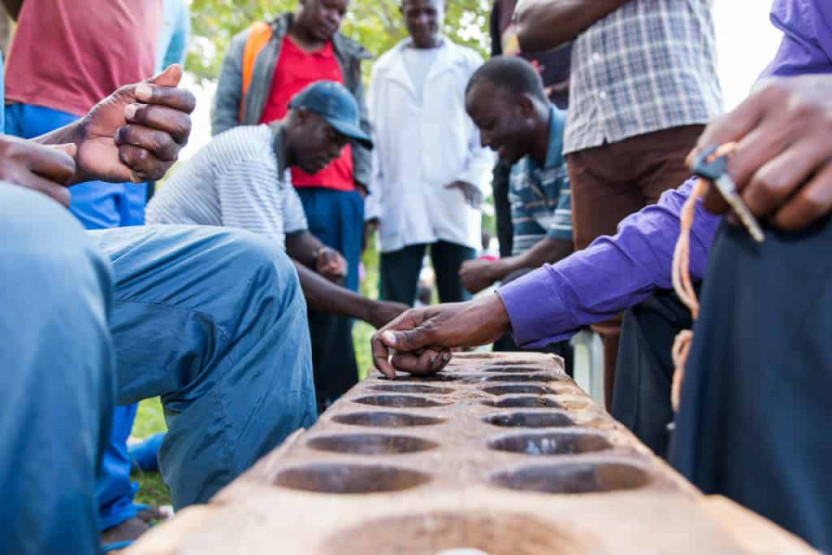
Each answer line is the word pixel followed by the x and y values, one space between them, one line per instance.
pixel 525 106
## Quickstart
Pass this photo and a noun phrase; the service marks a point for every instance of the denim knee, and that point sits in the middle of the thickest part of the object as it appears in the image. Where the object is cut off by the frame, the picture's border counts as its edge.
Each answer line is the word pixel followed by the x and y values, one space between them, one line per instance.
pixel 264 264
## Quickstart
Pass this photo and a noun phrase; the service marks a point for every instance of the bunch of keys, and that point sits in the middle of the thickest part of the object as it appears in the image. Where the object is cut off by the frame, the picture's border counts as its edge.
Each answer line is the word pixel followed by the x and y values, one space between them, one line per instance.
pixel 712 168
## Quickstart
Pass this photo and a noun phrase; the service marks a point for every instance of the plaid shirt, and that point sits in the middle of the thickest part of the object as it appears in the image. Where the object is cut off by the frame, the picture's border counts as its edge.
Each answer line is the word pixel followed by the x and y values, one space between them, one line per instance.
pixel 540 197
pixel 649 65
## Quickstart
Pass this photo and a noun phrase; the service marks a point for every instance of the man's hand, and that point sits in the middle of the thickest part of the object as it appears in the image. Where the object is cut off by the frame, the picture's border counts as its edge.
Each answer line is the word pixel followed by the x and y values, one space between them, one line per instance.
pixel 473 196
pixel 421 338
pixel 384 312
pixel 330 264
pixel 782 165
pixel 38 167
pixel 476 275
pixel 136 133
pixel 361 189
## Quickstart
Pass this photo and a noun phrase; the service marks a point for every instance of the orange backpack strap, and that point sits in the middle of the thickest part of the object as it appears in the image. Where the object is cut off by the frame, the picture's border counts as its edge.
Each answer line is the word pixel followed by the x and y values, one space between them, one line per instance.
pixel 258 35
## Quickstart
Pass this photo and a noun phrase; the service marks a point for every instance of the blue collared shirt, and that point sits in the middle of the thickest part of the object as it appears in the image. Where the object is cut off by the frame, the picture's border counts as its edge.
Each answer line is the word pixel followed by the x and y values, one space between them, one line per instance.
pixel 540 197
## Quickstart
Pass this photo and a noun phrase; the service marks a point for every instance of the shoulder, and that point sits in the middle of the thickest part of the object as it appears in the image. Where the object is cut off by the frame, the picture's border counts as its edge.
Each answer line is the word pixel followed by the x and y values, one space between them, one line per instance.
pixel 389 58
pixel 251 144
pixel 350 48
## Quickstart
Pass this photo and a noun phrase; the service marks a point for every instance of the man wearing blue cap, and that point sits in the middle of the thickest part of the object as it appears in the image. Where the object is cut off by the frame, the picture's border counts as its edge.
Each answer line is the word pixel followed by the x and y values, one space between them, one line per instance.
pixel 240 179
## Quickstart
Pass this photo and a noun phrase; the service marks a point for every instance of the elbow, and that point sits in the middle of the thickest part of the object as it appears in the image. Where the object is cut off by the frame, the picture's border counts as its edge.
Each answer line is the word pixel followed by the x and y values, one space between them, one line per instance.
pixel 541 26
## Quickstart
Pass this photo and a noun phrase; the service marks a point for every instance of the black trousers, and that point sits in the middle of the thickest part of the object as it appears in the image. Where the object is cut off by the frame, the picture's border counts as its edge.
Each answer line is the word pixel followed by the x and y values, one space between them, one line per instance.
pixel 644 371
pixel 399 271
pixel 502 208
pixel 755 414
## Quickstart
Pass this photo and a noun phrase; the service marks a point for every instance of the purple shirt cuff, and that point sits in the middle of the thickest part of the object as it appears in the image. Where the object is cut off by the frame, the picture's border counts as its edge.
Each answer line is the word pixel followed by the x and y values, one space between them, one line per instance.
pixel 529 326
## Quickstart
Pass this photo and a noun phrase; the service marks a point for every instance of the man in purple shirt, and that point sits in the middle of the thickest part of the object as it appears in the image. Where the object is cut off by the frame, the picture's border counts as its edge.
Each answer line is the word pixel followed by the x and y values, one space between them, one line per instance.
pixel 753 411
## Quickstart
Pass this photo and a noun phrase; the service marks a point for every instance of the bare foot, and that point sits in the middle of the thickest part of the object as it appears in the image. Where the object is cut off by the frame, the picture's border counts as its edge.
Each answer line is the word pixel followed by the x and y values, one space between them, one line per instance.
pixel 128 530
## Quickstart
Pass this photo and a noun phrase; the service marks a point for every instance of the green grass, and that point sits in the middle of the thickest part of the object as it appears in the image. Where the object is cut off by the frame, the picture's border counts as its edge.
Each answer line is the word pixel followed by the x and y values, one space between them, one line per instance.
pixel 150 418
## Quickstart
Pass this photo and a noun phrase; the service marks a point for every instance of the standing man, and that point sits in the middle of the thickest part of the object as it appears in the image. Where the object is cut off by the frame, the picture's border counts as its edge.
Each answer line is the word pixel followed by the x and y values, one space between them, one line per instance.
pixel 265 66
pixel 643 86
pixel 429 165
pixel 62 60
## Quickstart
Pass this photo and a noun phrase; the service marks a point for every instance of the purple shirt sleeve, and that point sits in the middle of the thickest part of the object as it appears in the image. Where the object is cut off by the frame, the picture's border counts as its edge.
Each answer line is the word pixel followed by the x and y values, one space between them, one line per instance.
pixel 612 274
pixel 807 37
pixel 615 273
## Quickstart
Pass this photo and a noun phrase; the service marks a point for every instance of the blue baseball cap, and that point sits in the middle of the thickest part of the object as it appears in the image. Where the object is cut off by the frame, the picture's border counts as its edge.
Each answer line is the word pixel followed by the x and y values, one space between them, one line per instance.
pixel 336 105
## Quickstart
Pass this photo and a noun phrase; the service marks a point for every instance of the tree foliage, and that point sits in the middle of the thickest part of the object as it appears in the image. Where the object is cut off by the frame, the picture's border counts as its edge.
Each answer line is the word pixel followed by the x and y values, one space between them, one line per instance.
pixel 376 24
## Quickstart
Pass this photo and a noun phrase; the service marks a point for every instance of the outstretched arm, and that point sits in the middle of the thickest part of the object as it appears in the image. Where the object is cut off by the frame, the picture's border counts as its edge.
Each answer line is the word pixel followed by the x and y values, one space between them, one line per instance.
pixel 325 296
pixel 477 275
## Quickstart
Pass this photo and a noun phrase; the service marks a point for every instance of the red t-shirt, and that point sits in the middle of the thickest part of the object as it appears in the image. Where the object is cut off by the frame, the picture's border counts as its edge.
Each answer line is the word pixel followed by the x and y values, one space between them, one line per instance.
pixel 295 70
pixel 67 55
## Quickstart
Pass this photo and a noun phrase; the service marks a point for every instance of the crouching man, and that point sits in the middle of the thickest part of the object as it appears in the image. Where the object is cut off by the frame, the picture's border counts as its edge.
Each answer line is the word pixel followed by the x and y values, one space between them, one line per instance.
pixel 240 180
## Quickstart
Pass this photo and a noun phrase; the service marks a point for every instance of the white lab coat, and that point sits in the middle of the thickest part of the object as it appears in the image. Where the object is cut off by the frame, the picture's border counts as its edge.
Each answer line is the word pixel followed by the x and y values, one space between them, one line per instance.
pixel 420 148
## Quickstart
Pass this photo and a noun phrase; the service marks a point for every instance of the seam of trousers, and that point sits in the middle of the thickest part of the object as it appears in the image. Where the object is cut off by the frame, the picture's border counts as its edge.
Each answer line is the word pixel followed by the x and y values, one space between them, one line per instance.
pixel 223 422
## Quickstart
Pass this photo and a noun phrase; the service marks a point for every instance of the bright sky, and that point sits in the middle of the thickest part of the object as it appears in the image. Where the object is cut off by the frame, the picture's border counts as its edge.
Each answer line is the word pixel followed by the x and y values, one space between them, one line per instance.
pixel 746 42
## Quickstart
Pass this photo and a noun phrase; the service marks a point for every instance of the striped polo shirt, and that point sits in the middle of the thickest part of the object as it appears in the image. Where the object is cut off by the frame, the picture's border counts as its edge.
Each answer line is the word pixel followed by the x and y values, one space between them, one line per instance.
pixel 236 180
pixel 540 197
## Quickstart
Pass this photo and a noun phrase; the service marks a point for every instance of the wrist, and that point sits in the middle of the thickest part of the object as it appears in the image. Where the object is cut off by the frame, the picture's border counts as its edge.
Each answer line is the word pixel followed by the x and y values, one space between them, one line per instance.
pixel 492 317
pixel 499 269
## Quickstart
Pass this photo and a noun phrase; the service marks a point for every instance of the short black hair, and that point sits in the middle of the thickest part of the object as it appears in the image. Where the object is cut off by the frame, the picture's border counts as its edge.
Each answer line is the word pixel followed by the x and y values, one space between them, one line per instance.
pixel 511 73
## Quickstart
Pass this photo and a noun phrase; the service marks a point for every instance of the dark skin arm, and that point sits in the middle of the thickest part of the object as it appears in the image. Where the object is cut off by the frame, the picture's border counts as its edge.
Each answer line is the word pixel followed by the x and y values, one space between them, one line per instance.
pixel 420 340
pixel 325 296
pixel 546 24
pixel 312 253
pixel 476 275
pixel 13 7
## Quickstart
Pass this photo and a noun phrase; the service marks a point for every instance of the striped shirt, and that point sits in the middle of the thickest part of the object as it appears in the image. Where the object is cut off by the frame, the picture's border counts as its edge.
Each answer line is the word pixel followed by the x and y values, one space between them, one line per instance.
pixel 540 197
pixel 237 181
pixel 647 66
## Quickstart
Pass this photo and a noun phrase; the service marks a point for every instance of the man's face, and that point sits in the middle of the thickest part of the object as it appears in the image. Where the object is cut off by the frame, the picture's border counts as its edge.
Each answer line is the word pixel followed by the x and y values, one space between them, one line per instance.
pixel 424 20
pixel 504 126
pixel 317 143
pixel 321 18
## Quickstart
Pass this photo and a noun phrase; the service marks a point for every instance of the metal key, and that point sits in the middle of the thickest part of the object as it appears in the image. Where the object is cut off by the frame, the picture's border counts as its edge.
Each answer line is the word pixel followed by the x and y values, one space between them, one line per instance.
pixel 714 171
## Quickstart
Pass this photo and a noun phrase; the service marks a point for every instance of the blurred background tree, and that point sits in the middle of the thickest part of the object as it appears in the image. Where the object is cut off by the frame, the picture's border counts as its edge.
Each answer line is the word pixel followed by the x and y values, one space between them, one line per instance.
pixel 376 24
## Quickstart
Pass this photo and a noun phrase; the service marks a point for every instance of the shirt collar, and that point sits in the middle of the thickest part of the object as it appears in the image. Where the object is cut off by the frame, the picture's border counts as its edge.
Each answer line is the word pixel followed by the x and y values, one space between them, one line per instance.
pixel 554 155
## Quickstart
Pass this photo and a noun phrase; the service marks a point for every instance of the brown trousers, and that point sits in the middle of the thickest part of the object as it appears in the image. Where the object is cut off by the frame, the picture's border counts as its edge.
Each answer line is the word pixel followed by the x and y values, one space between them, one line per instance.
pixel 612 181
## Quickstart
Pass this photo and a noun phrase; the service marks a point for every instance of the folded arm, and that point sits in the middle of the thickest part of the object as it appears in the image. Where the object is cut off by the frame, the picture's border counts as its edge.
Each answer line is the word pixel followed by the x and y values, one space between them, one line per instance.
pixel 546 24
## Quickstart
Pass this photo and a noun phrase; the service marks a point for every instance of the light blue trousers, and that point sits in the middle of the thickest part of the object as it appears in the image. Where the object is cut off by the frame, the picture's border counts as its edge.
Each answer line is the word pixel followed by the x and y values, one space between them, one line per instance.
pixel 211 320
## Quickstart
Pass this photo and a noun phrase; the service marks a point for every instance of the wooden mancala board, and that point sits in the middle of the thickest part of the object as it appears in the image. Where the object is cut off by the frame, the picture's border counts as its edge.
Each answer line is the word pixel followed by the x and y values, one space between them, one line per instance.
pixel 499 454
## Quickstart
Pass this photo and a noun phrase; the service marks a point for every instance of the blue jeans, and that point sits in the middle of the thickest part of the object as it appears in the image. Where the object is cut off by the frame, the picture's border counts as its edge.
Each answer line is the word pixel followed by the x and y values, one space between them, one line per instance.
pixel 337 219
pixel 213 321
pixel 97 205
